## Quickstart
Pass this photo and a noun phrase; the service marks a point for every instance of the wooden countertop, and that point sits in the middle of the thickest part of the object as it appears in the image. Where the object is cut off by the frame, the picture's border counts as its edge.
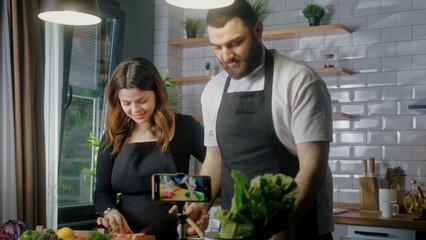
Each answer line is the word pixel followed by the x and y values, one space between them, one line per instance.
pixel 354 216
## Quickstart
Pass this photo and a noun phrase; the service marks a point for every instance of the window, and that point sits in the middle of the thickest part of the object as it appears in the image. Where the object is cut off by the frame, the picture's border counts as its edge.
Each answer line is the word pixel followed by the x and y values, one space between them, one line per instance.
pixel 94 54
pixel 81 116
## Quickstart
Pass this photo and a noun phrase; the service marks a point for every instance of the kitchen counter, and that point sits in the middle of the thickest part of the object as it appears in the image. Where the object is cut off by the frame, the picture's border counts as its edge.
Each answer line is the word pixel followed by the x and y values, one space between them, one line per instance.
pixel 354 216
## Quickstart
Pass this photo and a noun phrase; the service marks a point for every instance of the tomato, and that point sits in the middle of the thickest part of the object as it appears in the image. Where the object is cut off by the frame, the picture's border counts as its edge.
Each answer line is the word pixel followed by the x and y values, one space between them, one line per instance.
pixel 135 236
pixel 128 231
pixel 128 234
pixel 123 234
pixel 80 238
pixel 69 238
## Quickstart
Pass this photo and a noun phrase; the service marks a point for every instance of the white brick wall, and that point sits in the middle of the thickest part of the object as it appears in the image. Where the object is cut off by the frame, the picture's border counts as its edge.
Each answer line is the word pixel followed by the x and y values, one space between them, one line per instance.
pixel 386 52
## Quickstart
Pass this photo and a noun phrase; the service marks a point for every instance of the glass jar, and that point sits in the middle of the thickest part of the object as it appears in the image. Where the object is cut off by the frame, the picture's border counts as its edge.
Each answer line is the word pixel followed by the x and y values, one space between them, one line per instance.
pixel 329 61
pixel 411 200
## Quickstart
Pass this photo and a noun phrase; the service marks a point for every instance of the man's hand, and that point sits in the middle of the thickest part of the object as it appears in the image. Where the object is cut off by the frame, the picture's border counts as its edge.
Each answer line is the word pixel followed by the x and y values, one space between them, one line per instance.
pixel 199 215
pixel 280 236
pixel 196 213
pixel 114 220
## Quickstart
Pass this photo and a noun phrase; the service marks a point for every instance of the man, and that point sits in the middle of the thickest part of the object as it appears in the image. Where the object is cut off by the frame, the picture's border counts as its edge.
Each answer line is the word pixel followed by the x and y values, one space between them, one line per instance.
pixel 266 114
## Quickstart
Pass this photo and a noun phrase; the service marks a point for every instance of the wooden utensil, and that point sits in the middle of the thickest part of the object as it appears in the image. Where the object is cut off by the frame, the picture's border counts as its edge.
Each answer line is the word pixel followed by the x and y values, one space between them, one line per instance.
pixel 368 190
pixel 195 226
pixel 389 178
pixel 396 175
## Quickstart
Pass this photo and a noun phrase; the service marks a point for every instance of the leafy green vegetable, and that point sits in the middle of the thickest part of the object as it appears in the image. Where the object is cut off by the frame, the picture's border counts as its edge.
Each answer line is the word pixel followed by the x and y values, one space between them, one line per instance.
pixel 95 235
pixel 260 207
pixel 48 235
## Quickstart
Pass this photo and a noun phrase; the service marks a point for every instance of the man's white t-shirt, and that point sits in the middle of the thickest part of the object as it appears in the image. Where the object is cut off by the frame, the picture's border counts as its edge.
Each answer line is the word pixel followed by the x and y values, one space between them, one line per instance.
pixel 301 112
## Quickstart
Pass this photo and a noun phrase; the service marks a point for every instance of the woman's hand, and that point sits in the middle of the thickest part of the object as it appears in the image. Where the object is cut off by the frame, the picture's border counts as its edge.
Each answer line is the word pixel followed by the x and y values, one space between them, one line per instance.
pixel 114 220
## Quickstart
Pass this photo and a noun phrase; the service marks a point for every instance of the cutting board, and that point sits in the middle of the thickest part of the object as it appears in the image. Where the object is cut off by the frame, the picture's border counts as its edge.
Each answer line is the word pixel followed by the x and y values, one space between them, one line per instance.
pixel 368 193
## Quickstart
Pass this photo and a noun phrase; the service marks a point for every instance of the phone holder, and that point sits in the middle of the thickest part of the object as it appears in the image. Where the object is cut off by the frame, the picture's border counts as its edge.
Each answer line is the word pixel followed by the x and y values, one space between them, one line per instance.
pixel 181 220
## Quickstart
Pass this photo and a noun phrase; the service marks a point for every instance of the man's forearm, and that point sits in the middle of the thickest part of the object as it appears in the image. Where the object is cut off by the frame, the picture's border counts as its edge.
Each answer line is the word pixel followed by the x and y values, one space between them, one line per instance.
pixel 212 167
pixel 313 159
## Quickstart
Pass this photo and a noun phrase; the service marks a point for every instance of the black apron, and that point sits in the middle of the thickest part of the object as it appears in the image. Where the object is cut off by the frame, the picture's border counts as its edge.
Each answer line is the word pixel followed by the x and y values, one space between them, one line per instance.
pixel 248 142
pixel 132 174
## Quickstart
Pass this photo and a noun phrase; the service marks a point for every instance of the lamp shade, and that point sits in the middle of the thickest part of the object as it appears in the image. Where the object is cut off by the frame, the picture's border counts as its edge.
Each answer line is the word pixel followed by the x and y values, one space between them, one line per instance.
pixel 70 12
pixel 200 4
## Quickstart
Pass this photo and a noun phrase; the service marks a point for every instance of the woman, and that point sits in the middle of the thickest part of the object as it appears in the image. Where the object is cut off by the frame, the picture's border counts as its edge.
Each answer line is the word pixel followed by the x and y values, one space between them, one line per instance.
pixel 143 136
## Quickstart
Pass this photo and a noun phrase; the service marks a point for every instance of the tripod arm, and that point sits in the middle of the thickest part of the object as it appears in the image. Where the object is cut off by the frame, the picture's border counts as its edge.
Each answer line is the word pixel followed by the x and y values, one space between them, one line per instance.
pixel 181 220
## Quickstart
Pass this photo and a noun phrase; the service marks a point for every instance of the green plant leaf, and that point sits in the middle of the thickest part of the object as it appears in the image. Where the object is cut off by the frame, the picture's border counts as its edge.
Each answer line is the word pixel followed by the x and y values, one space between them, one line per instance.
pixel 171 83
pixel 192 23
pixel 93 141
pixel 207 66
pixel 259 207
pixel 313 10
pixel 259 8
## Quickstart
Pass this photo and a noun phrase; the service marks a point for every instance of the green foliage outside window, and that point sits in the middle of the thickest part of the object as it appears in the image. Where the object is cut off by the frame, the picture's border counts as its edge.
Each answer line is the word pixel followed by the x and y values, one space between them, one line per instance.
pixel 171 85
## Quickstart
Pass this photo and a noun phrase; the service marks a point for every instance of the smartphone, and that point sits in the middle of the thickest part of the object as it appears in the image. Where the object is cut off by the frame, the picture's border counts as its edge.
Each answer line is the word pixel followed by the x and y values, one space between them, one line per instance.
pixel 179 187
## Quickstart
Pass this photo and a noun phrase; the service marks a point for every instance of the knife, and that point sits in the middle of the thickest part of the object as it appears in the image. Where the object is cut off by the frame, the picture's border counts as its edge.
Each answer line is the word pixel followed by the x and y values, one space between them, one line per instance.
pixel 158 223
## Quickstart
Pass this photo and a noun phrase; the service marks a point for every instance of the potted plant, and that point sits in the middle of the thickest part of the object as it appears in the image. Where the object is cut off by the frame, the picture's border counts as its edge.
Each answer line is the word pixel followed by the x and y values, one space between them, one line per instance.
pixel 259 8
pixel 313 13
pixel 208 69
pixel 191 26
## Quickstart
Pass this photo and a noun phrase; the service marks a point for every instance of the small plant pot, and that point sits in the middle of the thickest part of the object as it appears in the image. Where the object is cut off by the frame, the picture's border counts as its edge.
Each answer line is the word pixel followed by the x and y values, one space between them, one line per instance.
pixel 208 72
pixel 314 21
pixel 191 33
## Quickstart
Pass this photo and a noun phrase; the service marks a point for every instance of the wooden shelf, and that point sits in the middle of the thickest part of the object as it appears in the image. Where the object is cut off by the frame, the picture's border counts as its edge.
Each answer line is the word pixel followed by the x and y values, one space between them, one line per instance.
pixel 333 71
pixel 197 117
pixel 190 42
pixel 338 115
pixel 272 35
pixel 321 71
pixel 196 78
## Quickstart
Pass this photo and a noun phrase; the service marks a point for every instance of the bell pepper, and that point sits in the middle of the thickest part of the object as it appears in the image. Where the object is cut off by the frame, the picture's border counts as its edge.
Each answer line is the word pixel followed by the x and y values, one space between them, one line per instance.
pixel 29 235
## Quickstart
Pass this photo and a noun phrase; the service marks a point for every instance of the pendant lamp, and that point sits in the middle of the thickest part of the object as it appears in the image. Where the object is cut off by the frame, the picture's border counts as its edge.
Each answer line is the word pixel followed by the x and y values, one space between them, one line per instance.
pixel 200 4
pixel 70 12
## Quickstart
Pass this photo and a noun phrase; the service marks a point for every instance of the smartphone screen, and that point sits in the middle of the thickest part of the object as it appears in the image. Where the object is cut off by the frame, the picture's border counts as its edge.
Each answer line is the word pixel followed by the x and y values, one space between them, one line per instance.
pixel 181 188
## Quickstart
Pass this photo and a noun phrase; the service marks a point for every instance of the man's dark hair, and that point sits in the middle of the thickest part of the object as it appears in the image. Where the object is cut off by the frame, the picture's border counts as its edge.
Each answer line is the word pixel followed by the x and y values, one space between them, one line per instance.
pixel 217 18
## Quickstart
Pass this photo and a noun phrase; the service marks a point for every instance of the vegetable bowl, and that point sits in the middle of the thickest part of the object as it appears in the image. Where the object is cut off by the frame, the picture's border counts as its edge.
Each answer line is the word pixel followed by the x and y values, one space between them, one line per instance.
pixel 259 209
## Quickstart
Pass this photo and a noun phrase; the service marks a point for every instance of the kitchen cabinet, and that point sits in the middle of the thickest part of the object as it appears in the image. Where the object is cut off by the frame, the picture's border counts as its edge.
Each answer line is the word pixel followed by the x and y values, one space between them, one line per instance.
pixel 354 224
pixel 357 232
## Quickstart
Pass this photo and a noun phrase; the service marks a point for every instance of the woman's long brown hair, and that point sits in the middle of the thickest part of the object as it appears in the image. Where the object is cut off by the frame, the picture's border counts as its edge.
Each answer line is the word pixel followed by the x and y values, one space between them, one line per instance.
pixel 141 74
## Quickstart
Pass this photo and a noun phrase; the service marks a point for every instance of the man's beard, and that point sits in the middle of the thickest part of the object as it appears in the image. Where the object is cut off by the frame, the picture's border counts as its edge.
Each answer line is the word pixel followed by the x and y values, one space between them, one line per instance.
pixel 246 65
